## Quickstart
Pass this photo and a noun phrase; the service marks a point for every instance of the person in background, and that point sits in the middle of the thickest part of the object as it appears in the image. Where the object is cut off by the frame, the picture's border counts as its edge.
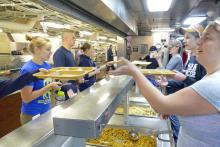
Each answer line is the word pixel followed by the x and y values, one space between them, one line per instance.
pixel 63 57
pixel 86 61
pixel 175 63
pixel 151 58
pixel 153 65
pixel 198 105
pixel 10 86
pixel 184 56
pixel 129 52
pixel 164 53
pixel 110 57
pixel 193 71
pixel 36 96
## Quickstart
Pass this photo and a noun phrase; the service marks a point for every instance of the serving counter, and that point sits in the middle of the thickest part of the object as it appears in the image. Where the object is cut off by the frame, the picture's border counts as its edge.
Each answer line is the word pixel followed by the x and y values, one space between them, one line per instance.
pixel 85 116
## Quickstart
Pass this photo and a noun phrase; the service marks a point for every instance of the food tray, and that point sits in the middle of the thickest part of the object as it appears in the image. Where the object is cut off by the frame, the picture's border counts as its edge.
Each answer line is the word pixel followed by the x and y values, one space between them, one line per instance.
pixel 2 72
pixel 85 69
pixel 137 110
pixel 119 137
pixel 164 72
pixel 113 62
pixel 141 63
pixel 65 73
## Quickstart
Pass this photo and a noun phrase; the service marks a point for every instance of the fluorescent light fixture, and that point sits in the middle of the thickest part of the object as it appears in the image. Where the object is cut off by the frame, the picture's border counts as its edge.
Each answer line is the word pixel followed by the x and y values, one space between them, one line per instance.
pixel 39 34
pixel 102 37
pixel 180 38
pixel 193 20
pixel 112 39
pixel 86 33
pixel 158 5
pixel 83 40
pixel 162 30
pixel 55 25
pixel 101 42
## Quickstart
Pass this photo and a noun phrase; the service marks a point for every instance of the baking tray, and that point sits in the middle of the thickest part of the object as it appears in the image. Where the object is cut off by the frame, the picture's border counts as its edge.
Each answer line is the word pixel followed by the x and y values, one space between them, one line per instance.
pixel 86 69
pixel 164 72
pixel 65 73
pixel 138 110
pixel 119 137
pixel 143 63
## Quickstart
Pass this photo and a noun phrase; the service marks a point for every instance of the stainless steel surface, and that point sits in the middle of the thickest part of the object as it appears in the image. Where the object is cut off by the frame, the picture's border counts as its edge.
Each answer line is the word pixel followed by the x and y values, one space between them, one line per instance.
pixel 133 135
pixel 40 130
pixel 87 116
pixel 121 19
pixel 143 124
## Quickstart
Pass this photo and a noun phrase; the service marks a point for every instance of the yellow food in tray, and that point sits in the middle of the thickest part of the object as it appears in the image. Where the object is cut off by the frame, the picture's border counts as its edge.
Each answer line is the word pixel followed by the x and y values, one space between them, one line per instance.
pixel 138 111
pixel 158 72
pixel 65 73
pixel 118 137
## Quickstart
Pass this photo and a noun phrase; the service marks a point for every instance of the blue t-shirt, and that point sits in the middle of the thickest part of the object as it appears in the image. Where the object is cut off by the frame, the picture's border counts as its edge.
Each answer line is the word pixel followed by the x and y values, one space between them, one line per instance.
pixel 41 104
pixel 175 63
pixel 86 61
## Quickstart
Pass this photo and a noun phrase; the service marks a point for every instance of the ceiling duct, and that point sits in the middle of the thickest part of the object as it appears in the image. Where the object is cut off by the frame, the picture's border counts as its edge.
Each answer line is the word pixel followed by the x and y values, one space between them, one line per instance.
pixel 19 26
pixel 113 12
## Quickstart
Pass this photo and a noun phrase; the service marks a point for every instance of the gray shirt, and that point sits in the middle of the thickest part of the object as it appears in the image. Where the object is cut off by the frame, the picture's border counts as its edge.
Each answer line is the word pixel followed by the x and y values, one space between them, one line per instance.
pixel 175 63
pixel 204 130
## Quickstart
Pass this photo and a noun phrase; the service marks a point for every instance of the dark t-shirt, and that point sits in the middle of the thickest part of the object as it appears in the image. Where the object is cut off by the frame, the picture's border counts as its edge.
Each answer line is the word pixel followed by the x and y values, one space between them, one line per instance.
pixel 154 63
pixel 110 56
pixel 64 58
pixel 86 61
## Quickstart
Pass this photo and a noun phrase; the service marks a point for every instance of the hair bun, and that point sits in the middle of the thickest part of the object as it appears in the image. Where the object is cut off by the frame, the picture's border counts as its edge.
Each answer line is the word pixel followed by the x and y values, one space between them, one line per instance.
pixel 28 37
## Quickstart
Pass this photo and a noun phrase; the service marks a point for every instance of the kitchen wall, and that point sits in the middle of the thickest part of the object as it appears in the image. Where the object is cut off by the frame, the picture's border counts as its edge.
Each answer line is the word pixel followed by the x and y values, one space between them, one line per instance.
pixel 139 42
pixel 4 44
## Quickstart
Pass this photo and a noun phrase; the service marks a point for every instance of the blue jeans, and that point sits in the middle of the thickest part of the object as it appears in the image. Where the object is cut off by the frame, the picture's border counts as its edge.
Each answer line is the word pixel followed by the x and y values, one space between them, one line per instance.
pixel 175 126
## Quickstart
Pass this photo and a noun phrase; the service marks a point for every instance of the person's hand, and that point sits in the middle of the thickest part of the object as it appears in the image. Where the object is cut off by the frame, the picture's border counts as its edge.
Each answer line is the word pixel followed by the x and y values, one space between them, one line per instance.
pixel 157 56
pixel 127 69
pixel 164 116
pixel 178 76
pixel 162 81
pixel 81 80
pixel 43 70
pixel 55 85
pixel 97 70
pixel 7 72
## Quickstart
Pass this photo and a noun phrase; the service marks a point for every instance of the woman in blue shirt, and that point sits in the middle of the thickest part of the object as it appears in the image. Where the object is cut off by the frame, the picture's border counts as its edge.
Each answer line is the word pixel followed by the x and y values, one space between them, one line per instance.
pixel 35 95
pixel 86 61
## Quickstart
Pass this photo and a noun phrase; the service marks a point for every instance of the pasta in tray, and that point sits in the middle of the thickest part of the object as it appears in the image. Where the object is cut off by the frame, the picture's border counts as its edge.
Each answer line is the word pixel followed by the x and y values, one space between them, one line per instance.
pixel 118 137
pixel 138 111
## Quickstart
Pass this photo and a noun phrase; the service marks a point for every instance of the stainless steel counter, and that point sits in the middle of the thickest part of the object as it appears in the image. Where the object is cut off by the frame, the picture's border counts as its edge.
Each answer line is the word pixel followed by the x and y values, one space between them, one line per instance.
pixel 86 106
pixel 84 117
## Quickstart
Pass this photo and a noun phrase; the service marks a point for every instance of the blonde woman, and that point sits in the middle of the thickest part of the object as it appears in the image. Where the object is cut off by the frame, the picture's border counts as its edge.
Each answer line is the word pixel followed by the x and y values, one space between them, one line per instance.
pixel 197 106
pixel 36 96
